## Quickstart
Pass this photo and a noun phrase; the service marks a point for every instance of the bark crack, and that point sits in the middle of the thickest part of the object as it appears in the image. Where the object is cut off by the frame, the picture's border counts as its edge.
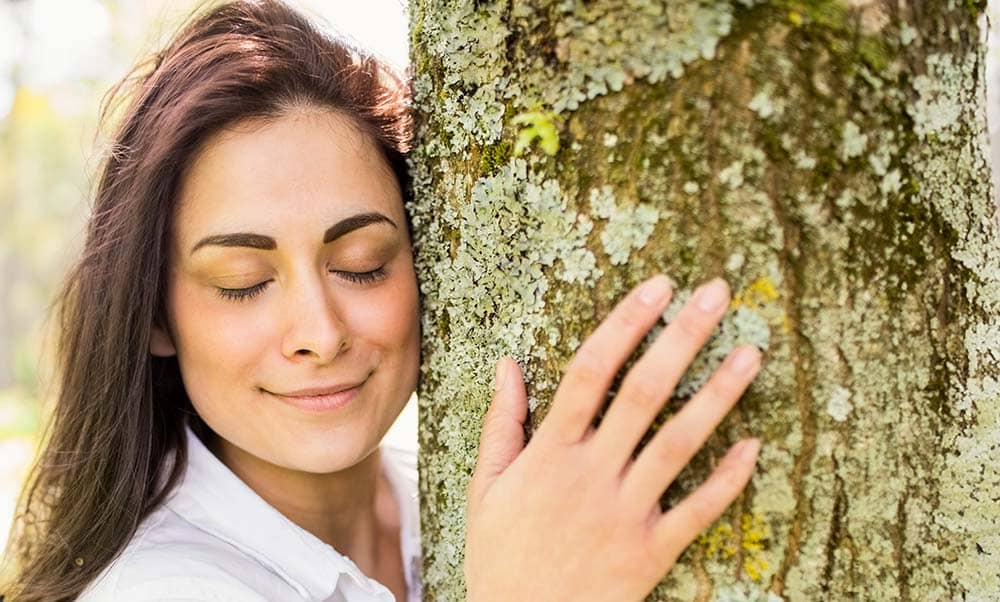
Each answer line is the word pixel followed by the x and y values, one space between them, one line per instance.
pixel 792 300
pixel 899 543
pixel 838 533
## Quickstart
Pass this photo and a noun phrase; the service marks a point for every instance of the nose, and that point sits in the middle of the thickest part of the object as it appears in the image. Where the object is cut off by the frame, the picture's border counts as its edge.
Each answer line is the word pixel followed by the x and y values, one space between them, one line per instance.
pixel 315 328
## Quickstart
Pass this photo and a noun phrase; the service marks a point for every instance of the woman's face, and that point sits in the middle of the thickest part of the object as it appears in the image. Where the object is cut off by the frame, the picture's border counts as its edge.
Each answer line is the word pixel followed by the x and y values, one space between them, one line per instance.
pixel 292 300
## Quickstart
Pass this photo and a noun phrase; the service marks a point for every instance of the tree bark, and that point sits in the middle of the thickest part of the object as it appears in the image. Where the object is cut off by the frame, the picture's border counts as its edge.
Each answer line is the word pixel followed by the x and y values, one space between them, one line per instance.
pixel 828 158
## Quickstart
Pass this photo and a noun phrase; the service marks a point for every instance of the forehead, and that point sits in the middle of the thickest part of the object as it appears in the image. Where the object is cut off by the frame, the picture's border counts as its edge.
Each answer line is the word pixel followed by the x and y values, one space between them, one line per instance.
pixel 286 175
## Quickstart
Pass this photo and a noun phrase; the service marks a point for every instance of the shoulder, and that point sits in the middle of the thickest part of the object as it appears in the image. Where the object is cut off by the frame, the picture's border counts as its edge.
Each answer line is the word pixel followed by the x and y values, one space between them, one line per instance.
pixel 170 560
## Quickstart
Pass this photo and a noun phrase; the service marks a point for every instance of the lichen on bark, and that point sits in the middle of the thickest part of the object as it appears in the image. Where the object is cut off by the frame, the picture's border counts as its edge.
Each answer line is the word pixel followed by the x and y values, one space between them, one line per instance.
pixel 828 159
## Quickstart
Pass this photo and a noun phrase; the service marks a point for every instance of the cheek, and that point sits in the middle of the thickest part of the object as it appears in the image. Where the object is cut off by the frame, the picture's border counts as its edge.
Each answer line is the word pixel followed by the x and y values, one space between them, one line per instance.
pixel 215 340
pixel 389 317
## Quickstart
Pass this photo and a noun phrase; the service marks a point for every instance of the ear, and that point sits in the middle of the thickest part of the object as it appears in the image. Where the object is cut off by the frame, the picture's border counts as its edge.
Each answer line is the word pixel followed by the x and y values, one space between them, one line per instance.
pixel 161 344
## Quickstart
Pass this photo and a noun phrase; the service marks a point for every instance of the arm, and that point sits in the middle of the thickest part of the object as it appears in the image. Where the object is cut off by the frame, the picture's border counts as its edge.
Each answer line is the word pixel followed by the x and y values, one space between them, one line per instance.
pixel 572 516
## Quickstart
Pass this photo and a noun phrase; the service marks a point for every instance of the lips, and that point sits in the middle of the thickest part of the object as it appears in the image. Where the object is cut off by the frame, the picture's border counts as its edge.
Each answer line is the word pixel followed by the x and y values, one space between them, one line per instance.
pixel 321 398
pixel 320 391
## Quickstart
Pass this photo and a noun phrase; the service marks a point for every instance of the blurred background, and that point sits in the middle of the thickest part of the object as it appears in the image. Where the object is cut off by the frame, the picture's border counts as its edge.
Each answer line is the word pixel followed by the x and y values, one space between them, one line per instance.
pixel 57 60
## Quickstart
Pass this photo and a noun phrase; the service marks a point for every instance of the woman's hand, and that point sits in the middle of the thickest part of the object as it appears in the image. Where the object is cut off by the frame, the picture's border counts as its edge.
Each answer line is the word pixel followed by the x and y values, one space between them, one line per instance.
pixel 572 516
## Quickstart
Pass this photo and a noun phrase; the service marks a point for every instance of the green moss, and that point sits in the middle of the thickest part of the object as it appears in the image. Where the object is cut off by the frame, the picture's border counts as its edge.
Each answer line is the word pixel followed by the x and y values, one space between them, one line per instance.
pixel 825 14
pixel 494 156
pixel 875 53
pixel 836 24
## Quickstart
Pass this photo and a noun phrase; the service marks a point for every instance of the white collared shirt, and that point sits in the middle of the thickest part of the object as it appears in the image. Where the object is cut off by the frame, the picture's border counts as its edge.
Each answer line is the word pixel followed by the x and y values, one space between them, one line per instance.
pixel 216 539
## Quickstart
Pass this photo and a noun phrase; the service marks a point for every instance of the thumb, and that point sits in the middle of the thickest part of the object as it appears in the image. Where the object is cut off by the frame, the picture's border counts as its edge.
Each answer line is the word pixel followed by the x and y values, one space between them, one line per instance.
pixel 502 438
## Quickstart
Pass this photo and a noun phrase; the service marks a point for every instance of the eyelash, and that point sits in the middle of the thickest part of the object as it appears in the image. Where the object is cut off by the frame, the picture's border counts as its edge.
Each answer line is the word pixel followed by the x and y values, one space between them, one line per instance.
pixel 246 294
pixel 362 277
pixel 243 294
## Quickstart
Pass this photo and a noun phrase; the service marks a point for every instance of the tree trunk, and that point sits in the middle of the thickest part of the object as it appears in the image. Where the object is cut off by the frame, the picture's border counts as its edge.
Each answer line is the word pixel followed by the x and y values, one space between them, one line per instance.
pixel 828 158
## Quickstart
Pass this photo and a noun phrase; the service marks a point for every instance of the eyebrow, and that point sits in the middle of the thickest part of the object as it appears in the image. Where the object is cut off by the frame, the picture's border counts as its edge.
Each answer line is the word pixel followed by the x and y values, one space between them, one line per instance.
pixel 266 243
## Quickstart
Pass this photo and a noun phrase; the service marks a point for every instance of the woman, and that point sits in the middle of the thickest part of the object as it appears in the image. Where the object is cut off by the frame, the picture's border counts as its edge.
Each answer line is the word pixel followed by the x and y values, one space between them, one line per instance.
pixel 242 329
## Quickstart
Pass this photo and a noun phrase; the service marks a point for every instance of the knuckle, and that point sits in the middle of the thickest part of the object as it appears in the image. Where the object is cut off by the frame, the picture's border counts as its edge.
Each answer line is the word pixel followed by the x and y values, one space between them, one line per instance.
pixel 702 507
pixel 724 486
pixel 628 319
pixel 721 387
pixel 703 514
pixel 724 388
pixel 490 432
pixel 691 326
pixel 555 434
pixel 732 482
pixel 587 365
pixel 642 390
pixel 577 414
pixel 673 446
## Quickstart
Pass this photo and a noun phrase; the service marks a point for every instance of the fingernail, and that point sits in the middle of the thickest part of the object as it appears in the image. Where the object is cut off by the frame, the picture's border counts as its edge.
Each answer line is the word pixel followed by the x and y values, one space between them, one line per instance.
pixel 749 450
pixel 744 360
pixel 655 290
pixel 501 375
pixel 712 296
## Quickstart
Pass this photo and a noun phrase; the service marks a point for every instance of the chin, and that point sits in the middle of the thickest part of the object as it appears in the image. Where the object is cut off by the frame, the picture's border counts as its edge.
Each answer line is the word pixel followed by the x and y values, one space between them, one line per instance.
pixel 324 457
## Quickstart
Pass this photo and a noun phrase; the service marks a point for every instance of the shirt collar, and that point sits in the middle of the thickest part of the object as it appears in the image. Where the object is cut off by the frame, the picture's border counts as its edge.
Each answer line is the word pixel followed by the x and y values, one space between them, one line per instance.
pixel 212 498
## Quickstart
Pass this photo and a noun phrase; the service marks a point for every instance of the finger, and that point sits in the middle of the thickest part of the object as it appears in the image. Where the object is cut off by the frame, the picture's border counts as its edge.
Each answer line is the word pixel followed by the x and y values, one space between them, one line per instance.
pixel 502 438
pixel 676 529
pixel 677 441
pixel 649 383
pixel 593 367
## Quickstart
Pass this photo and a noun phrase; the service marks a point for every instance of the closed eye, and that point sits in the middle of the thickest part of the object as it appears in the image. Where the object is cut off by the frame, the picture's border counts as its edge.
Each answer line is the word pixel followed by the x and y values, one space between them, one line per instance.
pixel 243 294
pixel 248 293
pixel 368 277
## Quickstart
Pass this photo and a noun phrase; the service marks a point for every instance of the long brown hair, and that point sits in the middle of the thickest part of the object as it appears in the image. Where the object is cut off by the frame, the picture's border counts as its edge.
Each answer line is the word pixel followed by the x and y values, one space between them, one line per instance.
pixel 120 413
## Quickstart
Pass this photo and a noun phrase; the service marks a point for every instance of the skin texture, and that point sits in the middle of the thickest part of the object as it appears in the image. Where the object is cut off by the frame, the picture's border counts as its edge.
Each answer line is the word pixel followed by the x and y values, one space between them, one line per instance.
pixel 310 326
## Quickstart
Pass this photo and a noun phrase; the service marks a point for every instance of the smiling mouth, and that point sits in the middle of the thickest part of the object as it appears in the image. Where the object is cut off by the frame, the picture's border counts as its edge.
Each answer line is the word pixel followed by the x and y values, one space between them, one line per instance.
pixel 320 400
